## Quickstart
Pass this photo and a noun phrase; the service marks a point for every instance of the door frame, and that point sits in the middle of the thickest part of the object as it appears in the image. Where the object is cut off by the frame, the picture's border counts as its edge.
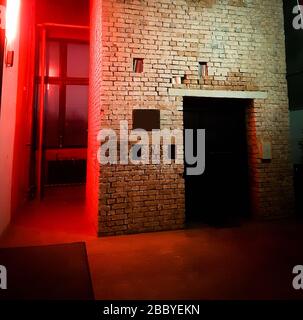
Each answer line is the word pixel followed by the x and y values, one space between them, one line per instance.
pixel 49 31
pixel 251 138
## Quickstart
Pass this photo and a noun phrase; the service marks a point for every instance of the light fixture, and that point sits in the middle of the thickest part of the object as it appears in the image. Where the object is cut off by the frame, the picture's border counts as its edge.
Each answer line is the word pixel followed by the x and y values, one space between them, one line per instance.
pixel 11 29
pixel 9 58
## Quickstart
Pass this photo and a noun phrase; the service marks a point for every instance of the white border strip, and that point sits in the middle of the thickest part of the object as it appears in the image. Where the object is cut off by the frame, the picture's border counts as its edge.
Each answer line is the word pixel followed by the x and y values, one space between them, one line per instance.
pixel 218 94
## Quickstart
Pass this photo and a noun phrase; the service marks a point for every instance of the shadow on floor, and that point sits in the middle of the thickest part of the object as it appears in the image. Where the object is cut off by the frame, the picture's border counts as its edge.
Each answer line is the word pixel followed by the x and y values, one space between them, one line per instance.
pixel 253 261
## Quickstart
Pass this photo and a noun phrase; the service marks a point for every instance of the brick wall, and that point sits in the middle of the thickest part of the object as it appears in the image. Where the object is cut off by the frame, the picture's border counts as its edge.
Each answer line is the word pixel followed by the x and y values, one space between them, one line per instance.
pixel 243 43
pixel 94 111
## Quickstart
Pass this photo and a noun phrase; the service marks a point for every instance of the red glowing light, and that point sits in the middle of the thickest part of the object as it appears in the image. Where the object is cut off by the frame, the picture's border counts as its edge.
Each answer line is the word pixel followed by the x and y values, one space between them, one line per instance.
pixel 12 20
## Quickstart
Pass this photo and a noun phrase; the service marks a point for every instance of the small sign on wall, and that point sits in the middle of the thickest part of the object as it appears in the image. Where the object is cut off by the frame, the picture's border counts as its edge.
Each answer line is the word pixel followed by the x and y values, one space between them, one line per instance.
pixel 2 17
pixel 266 150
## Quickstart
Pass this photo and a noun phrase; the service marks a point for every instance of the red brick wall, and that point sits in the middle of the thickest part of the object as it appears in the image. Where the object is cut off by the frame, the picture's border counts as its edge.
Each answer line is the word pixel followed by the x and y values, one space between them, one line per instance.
pixel 243 44
pixel 94 110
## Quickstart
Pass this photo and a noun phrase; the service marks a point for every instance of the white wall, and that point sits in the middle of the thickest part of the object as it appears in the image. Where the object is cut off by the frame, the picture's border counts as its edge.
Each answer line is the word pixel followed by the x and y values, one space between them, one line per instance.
pixel 296 131
pixel 7 135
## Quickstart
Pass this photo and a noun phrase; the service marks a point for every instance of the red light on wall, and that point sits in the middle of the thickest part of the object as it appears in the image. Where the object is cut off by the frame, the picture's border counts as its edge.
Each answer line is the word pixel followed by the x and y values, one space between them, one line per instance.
pixel 12 20
pixel 2 16
pixel 11 29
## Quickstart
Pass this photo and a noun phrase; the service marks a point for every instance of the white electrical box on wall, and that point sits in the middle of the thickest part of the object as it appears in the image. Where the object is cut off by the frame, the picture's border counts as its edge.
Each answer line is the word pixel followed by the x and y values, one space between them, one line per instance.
pixel 266 150
pixel 2 17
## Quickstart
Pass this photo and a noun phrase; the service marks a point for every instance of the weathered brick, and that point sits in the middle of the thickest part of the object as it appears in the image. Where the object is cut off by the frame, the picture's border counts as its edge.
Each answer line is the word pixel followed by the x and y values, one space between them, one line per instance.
pixel 243 43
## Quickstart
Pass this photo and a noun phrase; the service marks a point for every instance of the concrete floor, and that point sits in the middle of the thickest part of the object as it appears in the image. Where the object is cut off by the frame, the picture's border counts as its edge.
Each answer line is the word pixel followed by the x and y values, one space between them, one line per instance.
pixel 254 261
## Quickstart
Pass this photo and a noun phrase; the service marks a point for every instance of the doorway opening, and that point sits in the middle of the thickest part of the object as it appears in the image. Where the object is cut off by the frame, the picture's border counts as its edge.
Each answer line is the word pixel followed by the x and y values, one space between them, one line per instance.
pixel 60 131
pixel 49 153
pixel 220 196
pixel 61 108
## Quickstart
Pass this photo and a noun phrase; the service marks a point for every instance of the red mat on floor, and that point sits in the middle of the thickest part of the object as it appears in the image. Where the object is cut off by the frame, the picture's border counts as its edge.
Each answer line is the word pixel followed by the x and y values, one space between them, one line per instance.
pixel 56 272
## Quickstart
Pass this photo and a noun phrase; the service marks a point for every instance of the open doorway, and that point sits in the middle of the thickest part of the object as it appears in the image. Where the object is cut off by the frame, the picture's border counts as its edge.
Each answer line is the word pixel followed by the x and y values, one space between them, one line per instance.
pixel 65 115
pixel 59 82
pixel 47 146
pixel 221 195
pixel 60 138
pixel 61 107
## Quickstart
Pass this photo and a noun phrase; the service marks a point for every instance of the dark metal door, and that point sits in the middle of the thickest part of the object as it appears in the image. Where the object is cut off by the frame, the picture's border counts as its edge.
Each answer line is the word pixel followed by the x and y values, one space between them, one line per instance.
pixel 220 195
